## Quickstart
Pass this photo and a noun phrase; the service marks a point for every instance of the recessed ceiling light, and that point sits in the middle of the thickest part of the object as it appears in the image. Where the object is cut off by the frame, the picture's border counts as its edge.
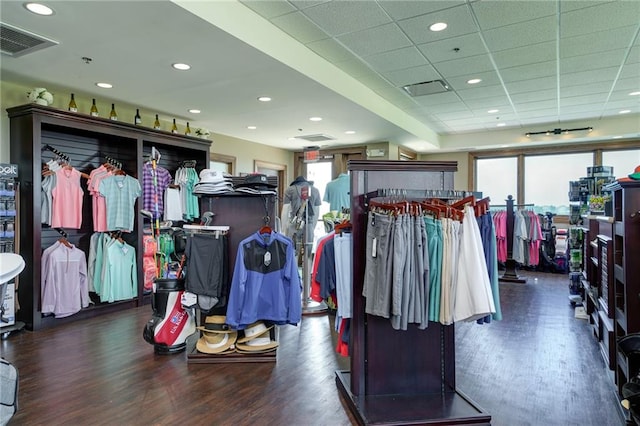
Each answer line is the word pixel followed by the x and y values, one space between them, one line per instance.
pixel 474 81
pixel 625 111
pixel 617 137
pixel 291 139
pixel 493 111
pixel 181 66
pixel 438 26
pixel 104 85
pixel 264 99
pixel 315 118
pixel 39 9
pixel 251 127
pixel 194 111
pixel 504 146
pixel 501 124
pixel 634 93
pixel 350 132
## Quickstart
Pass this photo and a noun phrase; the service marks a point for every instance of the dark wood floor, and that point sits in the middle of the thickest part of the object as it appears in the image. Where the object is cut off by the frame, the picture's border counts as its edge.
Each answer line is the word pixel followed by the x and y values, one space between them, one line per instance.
pixel 539 366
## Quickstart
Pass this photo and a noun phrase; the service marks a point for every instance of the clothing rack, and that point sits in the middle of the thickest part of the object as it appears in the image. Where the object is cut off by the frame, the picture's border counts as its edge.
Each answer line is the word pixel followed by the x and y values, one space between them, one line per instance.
pixel 399 377
pixel 510 273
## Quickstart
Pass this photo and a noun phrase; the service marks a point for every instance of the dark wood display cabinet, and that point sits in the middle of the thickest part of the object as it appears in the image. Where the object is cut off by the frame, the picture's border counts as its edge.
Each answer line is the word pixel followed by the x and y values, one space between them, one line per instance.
pixel 87 141
pixel 625 273
pixel 598 283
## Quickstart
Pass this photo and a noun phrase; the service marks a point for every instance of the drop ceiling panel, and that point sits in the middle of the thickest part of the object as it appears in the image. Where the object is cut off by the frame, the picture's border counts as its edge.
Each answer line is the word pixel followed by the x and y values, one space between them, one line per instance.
pixel 299 27
pixel 412 75
pixel 538 95
pixel 529 72
pixel 375 40
pixel 342 17
pixel 587 77
pixel 541 52
pixel 458 18
pixel 633 84
pixel 621 95
pixel 406 9
pixel 593 99
pixel 512 36
pixel 303 4
pixel 594 42
pixel 600 18
pixel 494 14
pixel 269 9
pixel 481 92
pixel 443 50
pixel 630 71
pixel 550 105
pixel 489 78
pixel 487 103
pixel 432 107
pixel 531 85
pixel 464 122
pixel 631 102
pixel 533 119
pixel 455 115
pixel 592 109
pixel 407 57
pixel 592 62
pixel 596 87
pixel 634 55
pixel 438 99
pixel 464 66
pixel 567 6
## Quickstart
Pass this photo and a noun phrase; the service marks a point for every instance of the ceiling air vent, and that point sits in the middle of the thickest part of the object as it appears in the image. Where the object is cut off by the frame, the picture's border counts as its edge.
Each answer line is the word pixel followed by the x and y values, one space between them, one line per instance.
pixel 317 138
pixel 16 42
pixel 426 88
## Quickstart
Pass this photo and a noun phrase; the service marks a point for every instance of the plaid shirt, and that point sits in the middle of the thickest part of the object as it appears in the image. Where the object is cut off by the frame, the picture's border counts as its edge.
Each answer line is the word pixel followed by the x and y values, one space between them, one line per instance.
pixel 149 190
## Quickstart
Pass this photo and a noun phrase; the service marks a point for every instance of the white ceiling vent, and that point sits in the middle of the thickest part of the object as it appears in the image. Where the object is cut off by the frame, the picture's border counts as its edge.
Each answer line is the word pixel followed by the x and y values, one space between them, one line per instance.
pixel 316 138
pixel 16 42
pixel 426 88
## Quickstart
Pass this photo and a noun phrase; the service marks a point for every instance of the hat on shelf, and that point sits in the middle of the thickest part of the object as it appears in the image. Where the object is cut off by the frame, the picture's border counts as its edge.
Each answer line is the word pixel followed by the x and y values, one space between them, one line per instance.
pixel 254 330
pixel 216 324
pixel 635 176
pixel 216 343
pixel 256 184
pixel 214 176
pixel 259 344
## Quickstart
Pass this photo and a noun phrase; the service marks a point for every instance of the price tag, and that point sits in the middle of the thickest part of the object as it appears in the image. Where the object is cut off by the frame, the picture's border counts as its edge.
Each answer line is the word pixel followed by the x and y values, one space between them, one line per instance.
pixel 267 259
pixel 374 248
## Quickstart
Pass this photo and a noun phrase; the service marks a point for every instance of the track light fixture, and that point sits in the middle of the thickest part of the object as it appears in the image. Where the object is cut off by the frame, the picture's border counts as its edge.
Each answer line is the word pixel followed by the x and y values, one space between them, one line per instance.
pixel 558 131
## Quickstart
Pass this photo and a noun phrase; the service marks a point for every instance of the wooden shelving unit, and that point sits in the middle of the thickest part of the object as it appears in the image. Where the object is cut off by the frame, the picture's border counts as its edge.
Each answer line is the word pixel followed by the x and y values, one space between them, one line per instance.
pixel 86 140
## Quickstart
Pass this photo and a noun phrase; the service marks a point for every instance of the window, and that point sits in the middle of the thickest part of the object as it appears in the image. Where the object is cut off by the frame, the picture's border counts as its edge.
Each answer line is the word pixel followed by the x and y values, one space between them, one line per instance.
pixel 546 180
pixel 497 178
pixel 624 162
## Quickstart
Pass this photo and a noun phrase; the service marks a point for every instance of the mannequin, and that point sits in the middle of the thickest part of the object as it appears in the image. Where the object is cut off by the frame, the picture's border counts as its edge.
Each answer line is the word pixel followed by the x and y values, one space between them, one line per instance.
pixel 337 193
pixel 301 195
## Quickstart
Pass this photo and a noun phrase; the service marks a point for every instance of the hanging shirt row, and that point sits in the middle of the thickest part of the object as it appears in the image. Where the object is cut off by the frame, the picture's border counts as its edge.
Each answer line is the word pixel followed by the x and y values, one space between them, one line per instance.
pixel 421 268
pixel 527 236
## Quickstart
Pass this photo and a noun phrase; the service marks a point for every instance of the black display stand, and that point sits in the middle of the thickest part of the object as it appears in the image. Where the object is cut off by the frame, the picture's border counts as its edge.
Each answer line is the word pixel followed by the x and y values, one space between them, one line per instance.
pixel 510 273
pixel 399 377
pixel 244 214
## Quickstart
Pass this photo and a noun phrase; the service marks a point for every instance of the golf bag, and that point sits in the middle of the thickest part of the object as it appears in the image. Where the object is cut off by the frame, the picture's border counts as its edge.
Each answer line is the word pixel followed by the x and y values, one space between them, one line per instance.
pixel 8 391
pixel 171 324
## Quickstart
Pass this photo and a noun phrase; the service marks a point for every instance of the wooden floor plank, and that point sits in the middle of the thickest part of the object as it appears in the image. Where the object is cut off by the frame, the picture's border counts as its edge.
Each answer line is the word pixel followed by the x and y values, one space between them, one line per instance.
pixel 540 366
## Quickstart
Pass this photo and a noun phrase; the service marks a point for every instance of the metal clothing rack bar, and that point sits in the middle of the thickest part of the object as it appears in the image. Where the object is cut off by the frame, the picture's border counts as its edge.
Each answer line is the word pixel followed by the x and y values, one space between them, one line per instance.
pixel 59 154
